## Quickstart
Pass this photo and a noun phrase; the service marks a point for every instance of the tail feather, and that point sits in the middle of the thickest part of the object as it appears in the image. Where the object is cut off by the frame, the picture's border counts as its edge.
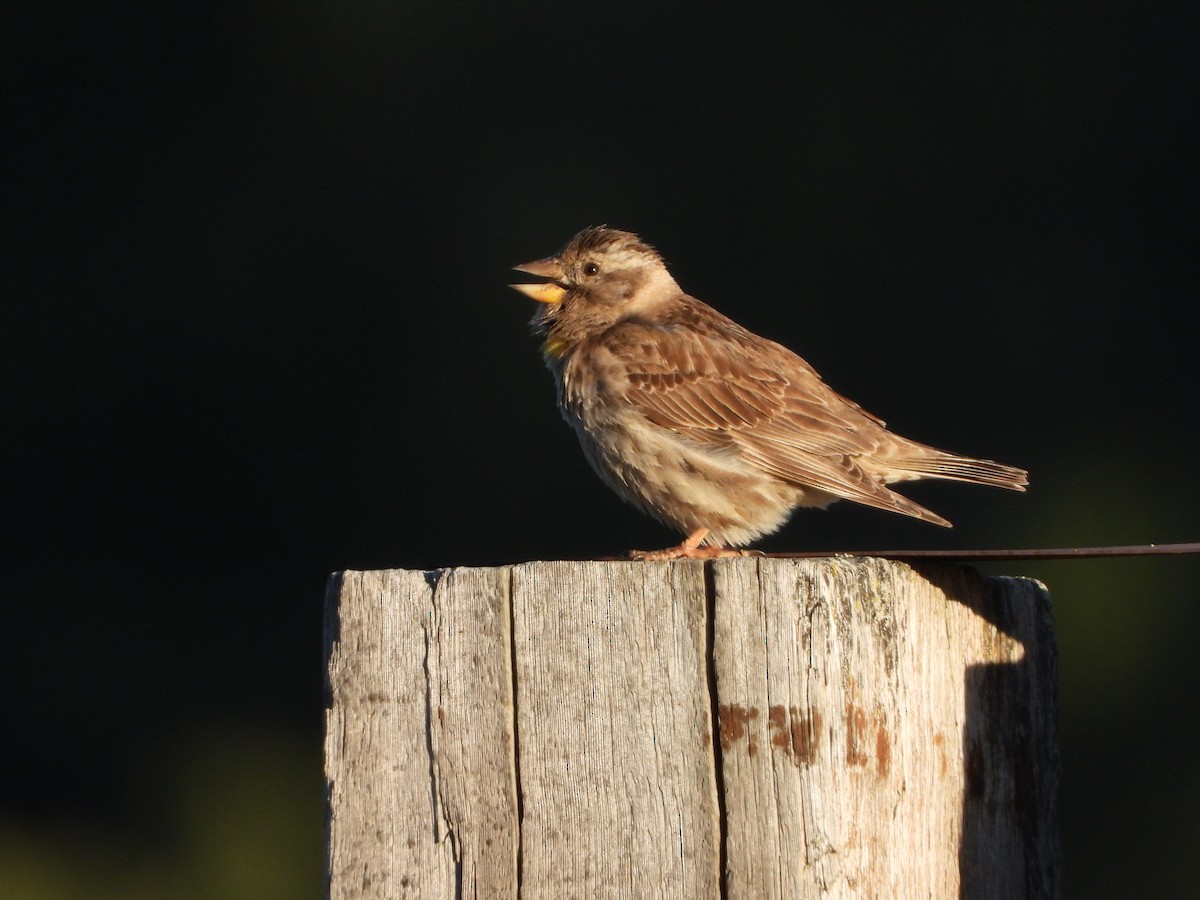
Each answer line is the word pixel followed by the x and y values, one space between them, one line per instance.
pixel 905 506
pixel 939 464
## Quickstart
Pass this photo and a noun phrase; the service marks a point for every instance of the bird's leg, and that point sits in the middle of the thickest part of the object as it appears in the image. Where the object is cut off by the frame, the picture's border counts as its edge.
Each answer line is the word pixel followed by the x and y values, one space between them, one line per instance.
pixel 689 549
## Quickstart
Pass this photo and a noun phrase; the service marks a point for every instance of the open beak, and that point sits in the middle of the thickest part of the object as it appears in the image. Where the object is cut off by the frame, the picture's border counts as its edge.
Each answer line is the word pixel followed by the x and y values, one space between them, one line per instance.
pixel 543 291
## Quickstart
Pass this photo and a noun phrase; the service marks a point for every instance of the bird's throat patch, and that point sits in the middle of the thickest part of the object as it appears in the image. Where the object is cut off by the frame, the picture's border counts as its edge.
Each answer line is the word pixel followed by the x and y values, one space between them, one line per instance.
pixel 553 348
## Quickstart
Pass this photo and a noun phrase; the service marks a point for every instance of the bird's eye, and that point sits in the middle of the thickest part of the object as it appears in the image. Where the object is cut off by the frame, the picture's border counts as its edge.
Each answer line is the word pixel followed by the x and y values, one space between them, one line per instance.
pixel 590 268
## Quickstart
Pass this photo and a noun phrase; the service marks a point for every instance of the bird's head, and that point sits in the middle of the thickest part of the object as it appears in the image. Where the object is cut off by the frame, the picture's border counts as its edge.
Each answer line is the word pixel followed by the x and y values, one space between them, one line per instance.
pixel 599 278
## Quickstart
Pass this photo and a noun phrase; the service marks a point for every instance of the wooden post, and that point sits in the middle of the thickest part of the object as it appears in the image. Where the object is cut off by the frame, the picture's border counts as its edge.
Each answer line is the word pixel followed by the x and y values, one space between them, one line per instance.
pixel 738 728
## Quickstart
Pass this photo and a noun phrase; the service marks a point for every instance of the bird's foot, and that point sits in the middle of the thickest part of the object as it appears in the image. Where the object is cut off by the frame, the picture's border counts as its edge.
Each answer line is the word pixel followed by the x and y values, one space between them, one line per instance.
pixel 691 549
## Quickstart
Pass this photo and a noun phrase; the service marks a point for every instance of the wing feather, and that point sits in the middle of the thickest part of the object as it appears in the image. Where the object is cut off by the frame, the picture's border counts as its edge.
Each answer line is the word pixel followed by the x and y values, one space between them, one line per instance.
pixel 733 386
pixel 731 389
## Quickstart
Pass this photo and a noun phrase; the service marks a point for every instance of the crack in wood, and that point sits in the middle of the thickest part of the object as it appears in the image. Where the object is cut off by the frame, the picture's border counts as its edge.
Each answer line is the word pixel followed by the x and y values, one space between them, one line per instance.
pixel 717 729
pixel 518 792
pixel 435 801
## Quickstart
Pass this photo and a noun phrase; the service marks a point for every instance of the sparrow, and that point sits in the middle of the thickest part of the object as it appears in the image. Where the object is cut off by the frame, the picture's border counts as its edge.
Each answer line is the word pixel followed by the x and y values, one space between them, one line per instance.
pixel 713 430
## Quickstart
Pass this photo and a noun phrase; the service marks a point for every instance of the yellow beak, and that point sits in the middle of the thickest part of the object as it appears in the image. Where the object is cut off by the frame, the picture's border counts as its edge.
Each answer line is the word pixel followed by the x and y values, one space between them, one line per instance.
pixel 542 291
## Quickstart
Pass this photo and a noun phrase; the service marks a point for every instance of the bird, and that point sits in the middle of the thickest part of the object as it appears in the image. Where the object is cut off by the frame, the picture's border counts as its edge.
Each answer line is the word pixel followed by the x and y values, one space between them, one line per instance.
pixel 713 430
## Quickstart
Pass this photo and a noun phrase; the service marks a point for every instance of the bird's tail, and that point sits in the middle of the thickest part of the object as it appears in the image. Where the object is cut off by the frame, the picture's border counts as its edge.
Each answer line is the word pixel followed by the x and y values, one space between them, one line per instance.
pixel 932 463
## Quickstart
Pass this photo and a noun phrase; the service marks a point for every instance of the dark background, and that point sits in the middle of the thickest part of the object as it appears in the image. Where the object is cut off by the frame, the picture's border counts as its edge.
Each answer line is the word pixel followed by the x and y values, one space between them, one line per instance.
pixel 256 330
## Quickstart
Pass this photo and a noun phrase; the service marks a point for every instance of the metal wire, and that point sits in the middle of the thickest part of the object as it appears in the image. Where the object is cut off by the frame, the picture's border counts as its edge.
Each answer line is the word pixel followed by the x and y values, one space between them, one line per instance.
pixel 1037 553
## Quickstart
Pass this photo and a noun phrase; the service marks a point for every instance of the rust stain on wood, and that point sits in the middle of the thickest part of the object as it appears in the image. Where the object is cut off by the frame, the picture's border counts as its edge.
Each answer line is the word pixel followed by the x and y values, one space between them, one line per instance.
pixel 777 725
pixel 856 736
pixel 733 723
pixel 883 752
pixel 806 732
pixel 795 733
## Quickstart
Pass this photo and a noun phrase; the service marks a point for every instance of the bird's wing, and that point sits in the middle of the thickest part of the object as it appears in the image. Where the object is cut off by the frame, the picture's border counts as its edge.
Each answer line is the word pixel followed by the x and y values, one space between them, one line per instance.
pixel 682 379
pixel 737 391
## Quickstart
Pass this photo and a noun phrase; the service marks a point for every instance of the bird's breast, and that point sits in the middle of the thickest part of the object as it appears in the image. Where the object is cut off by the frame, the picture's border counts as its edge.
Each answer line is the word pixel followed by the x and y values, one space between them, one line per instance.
pixel 576 385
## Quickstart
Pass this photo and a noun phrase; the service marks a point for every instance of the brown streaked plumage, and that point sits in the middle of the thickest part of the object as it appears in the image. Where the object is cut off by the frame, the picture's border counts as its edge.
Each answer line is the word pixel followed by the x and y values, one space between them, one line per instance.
pixel 706 426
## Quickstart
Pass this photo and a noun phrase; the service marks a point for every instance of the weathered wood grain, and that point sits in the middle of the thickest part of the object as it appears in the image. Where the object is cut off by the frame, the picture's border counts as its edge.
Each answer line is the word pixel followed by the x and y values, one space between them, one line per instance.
pixel 614 718
pixel 469 675
pixel 741 728
pixel 855 698
pixel 386 833
pixel 419 741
